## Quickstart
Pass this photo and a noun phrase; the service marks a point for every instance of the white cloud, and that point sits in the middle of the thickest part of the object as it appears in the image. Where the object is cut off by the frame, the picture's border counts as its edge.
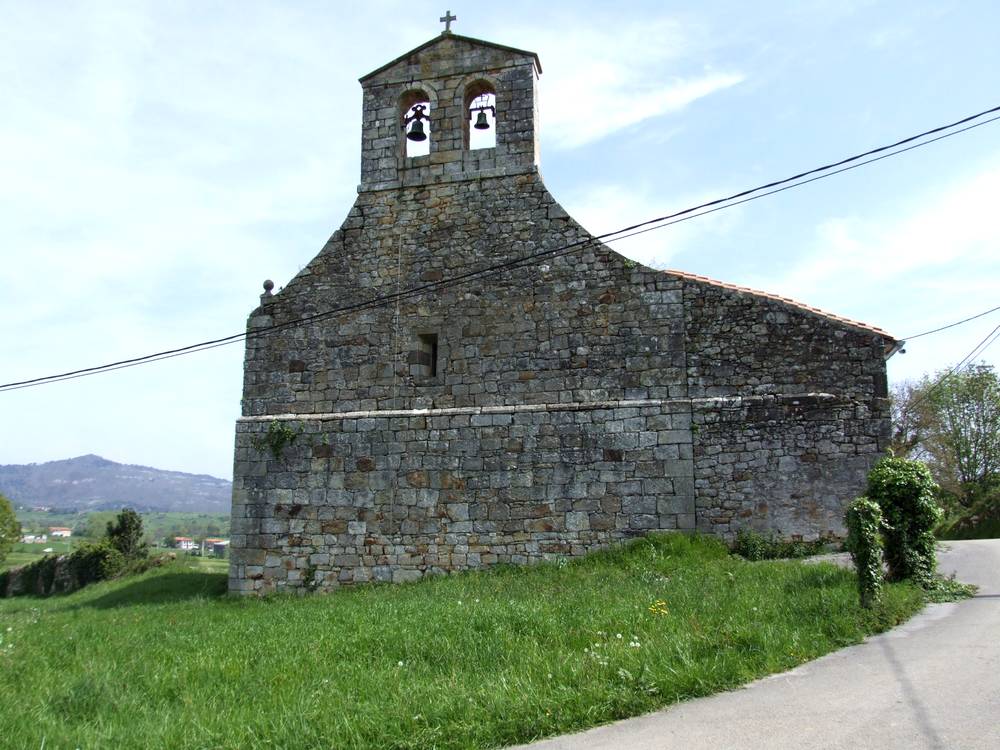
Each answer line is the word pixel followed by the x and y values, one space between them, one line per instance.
pixel 589 109
pixel 930 266
pixel 957 224
pixel 597 83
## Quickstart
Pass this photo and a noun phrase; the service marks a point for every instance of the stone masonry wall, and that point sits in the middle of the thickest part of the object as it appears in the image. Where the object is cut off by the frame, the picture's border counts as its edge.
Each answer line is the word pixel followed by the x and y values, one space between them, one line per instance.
pixel 584 326
pixel 790 411
pixel 744 343
pixel 781 464
pixel 392 496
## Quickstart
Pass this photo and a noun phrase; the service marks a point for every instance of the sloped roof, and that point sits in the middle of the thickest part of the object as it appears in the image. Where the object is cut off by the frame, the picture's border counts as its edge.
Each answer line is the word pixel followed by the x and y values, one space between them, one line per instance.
pixel 449 35
pixel 788 301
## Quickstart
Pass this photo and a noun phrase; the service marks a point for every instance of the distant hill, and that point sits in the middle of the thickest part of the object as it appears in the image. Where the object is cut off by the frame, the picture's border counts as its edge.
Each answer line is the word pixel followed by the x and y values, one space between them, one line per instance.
pixel 94 483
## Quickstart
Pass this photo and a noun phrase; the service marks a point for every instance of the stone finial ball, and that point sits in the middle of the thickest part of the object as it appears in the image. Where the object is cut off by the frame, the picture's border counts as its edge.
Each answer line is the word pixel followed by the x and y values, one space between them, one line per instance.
pixel 268 285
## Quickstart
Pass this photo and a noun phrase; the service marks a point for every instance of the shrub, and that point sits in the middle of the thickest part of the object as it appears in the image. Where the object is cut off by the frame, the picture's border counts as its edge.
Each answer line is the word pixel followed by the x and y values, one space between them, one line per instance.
pixel 750 545
pixel 95 562
pixel 29 577
pixel 54 574
pixel 34 578
pixel 864 542
pixel 46 573
pixel 754 546
pixel 10 529
pixel 904 490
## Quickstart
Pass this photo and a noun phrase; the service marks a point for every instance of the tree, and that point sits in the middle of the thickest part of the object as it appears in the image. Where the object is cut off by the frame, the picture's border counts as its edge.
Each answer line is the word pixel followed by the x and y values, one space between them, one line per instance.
pixel 954 425
pixel 10 529
pixel 126 535
pixel 95 525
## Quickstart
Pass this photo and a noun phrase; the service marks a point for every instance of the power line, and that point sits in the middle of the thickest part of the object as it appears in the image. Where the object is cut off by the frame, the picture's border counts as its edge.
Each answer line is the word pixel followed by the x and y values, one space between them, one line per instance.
pixel 798 184
pixel 630 231
pixel 951 325
pixel 978 349
pixel 833 165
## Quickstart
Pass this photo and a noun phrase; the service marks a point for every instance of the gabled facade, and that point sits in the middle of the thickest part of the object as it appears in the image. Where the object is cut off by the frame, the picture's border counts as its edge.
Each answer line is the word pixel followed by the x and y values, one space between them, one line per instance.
pixel 551 406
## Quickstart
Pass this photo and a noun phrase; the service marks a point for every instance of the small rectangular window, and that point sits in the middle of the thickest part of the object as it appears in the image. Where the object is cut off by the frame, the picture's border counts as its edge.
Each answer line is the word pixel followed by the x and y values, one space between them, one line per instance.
pixel 424 356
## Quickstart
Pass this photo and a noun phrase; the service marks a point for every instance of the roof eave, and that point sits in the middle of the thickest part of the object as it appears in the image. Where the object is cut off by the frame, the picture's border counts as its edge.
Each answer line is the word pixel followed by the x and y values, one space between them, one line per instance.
pixel 891 344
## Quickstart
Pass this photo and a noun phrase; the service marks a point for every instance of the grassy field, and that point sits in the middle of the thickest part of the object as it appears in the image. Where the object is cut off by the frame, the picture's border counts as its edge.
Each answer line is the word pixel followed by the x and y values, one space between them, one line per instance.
pixel 157 525
pixel 468 661
pixel 26 553
pixel 22 554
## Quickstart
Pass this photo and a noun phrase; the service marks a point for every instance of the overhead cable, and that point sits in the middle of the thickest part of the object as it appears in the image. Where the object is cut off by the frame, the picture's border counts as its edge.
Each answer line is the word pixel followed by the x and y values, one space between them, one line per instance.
pixel 645 226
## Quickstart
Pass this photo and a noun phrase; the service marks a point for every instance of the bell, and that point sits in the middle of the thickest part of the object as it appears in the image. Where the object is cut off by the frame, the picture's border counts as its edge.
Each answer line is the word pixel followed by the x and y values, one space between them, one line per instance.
pixel 481 123
pixel 416 131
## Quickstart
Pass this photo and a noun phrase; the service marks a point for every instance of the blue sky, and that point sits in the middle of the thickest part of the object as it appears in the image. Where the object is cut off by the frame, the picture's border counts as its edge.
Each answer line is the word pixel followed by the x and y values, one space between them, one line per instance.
pixel 159 160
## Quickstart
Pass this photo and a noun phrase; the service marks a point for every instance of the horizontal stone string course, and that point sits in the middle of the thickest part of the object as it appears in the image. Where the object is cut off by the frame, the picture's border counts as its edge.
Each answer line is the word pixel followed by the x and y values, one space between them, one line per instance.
pixel 735 402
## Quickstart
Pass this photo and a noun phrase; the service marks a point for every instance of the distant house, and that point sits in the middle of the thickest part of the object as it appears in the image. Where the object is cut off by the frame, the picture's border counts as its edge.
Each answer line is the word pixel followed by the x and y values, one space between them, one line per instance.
pixel 60 532
pixel 184 543
pixel 208 545
pixel 34 539
pixel 219 547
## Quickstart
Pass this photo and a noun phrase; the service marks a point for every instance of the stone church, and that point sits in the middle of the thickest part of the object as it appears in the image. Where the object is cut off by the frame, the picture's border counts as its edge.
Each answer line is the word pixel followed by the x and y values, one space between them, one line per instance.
pixel 463 376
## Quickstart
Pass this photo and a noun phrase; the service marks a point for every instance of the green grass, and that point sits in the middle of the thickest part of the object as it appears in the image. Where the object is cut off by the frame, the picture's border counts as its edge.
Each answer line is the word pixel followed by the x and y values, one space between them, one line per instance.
pixel 981 521
pixel 22 554
pixel 468 661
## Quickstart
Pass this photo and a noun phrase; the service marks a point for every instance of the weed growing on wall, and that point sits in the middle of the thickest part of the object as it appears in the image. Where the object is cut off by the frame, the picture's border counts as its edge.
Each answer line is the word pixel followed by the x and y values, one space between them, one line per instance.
pixel 278 437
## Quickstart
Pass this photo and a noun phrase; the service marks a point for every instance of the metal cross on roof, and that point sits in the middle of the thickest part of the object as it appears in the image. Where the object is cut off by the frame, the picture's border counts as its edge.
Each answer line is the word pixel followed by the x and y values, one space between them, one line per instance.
pixel 446 19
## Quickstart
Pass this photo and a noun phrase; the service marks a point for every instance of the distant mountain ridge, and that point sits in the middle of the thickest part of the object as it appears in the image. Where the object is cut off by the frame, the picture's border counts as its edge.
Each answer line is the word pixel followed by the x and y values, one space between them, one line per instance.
pixel 94 483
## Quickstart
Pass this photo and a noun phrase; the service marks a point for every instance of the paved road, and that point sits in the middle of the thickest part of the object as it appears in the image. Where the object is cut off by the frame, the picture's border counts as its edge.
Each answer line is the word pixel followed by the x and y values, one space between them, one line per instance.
pixel 934 682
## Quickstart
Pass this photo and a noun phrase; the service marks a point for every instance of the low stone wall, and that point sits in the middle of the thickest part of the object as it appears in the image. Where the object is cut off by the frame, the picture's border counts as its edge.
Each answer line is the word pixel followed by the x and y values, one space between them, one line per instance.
pixel 55 576
pixel 395 495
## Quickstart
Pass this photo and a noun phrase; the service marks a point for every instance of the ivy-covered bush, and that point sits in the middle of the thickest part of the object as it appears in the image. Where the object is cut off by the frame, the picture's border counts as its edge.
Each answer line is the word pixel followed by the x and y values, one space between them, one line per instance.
pixel 30 576
pixel 904 490
pixel 95 562
pixel 55 574
pixel 864 542
pixel 47 567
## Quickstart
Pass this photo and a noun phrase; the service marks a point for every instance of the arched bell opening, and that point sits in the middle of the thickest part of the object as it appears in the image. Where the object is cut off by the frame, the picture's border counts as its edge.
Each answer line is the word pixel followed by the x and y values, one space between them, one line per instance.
pixel 415 123
pixel 481 116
